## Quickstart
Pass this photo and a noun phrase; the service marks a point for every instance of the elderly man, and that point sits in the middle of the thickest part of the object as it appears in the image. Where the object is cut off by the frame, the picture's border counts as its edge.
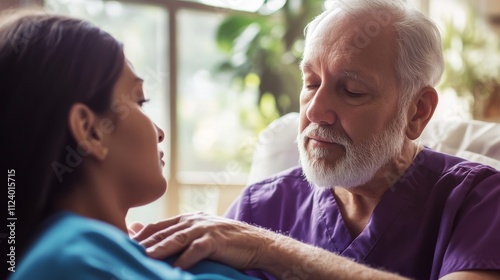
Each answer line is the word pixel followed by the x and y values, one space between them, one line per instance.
pixel 378 204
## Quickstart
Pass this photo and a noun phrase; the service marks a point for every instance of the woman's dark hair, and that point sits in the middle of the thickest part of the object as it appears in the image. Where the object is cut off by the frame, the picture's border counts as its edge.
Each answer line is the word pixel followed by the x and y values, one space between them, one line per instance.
pixel 48 63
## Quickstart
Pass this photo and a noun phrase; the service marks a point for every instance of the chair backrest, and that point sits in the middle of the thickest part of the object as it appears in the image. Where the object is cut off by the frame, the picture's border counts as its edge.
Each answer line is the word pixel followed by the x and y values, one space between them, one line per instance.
pixel 470 139
pixel 276 149
pixel 476 141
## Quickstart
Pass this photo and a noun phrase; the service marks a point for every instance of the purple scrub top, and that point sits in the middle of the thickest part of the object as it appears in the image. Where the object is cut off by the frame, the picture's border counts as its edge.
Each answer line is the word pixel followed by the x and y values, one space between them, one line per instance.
pixel 441 216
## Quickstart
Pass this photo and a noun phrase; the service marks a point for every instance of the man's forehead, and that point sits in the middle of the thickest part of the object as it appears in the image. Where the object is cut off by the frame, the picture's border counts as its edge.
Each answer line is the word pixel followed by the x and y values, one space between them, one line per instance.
pixel 344 39
pixel 324 25
pixel 331 38
pixel 319 54
pixel 339 26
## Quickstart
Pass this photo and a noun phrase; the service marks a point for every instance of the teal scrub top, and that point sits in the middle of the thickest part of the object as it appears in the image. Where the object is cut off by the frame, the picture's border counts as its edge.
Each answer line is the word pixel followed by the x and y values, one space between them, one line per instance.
pixel 75 247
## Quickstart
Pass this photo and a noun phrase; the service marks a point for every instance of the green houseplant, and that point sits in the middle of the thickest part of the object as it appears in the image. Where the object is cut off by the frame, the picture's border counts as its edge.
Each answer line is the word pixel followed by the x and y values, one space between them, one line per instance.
pixel 268 48
pixel 472 64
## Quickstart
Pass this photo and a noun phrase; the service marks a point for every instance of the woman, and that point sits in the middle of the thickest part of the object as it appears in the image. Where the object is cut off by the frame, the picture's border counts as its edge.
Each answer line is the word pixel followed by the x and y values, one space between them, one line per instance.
pixel 81 151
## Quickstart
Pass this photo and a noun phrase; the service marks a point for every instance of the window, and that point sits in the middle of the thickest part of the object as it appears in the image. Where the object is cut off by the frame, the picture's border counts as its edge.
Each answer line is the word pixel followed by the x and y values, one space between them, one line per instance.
pixel 213 135
pixel 207 120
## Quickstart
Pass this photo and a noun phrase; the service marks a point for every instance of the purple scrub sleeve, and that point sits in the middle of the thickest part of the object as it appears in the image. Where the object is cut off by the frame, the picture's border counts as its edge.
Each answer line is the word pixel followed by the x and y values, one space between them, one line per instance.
pixel 441 216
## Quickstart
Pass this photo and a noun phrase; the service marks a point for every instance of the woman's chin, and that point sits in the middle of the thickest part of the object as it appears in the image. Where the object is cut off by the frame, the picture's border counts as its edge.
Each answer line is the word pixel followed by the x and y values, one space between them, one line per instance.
pixel 153 194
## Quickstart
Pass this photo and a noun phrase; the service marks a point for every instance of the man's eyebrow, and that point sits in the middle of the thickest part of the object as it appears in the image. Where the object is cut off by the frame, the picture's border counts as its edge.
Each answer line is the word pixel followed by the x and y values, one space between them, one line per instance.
pixel 304 65
pixel 361 77
pixel 355 75
pixel 307 68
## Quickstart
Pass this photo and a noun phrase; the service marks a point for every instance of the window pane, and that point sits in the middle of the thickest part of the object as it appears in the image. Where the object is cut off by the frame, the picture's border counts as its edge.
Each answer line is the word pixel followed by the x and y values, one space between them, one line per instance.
pixel 217 124
pixel 199 198
pixel 143 31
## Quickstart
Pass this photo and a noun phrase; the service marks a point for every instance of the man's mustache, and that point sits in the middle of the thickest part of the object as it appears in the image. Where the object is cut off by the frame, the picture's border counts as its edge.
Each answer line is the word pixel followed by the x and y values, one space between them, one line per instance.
pixel 326 133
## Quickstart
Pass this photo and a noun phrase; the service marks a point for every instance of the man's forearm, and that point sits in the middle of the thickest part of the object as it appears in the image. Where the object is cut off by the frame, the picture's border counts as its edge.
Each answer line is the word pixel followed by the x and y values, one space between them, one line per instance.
pixel 244 246
pixel 289 259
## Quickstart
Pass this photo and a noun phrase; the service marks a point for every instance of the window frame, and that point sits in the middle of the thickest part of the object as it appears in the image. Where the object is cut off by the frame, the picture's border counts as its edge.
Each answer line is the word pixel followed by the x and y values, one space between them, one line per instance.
pixel 174 182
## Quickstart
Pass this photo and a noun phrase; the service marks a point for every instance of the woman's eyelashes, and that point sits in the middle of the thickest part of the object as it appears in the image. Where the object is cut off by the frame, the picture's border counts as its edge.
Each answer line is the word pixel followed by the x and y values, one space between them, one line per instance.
pixel 142 101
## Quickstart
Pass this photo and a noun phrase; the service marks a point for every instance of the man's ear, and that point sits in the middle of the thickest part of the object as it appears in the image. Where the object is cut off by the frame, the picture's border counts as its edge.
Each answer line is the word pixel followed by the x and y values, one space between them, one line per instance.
pixel 420 112
pixel 83 126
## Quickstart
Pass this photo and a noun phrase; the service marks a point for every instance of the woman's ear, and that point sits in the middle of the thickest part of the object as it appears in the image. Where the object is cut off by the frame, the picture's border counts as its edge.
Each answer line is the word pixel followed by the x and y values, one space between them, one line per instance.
pixel 421 111
pixel 83 126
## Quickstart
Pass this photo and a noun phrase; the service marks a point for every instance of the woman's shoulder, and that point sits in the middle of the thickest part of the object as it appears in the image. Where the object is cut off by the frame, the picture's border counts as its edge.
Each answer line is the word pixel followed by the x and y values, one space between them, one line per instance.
pixel 65 241
pixel 68 233
pixel 74 247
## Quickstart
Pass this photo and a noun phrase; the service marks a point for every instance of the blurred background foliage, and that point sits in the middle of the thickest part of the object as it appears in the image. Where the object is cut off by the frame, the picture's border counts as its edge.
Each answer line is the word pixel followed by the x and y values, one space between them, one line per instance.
pixel 264 50
pixel 472 61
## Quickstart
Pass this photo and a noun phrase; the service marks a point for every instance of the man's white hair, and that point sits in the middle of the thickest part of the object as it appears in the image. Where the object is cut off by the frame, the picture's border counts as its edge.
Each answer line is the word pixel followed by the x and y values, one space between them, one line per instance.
pixel 419 58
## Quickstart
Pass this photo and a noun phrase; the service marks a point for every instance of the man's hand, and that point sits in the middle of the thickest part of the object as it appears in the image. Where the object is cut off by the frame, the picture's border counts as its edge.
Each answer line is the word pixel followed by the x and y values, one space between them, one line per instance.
pixel 134 228
pixel 243 246
pixel 201 236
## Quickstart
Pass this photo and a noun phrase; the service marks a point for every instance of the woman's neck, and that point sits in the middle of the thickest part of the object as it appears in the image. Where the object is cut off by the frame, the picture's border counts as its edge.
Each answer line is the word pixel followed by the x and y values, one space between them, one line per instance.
pixel 95 201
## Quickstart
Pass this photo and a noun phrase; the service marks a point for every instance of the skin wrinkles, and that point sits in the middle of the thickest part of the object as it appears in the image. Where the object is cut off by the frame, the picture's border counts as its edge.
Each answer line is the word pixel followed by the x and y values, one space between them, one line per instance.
pixel 331 49
pixel 352 80
pixel 330 75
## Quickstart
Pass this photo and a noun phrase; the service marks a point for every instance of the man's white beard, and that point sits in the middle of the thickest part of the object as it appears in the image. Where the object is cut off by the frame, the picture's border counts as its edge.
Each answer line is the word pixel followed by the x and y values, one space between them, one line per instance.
pixel 360 162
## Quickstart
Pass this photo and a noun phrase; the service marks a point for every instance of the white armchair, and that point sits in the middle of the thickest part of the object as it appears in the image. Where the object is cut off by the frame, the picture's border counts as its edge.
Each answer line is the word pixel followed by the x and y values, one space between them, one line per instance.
pixel 476 141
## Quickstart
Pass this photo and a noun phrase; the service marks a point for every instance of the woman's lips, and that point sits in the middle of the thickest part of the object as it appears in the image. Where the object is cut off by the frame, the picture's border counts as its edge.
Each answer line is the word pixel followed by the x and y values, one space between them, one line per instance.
pixel 161 158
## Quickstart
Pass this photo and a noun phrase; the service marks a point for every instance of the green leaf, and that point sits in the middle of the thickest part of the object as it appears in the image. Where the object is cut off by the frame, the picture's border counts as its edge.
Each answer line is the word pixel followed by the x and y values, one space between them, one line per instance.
pixel 230 29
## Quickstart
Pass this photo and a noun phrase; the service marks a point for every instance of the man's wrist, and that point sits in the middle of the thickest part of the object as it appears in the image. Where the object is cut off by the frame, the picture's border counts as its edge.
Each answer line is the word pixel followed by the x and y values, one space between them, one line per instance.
pixel 276 256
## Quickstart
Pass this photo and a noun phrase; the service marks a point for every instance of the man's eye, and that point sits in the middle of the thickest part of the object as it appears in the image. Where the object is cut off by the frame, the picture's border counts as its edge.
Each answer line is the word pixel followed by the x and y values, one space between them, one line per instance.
pixel 313 86
pixel 354 94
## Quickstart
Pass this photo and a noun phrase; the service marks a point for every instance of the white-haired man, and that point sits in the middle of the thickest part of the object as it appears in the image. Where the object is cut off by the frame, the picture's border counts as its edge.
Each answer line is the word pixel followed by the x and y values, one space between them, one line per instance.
pixel 379 205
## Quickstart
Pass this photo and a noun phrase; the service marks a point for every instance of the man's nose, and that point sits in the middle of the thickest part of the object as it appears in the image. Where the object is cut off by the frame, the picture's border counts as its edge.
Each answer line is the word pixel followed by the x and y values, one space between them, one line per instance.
pixel 321 108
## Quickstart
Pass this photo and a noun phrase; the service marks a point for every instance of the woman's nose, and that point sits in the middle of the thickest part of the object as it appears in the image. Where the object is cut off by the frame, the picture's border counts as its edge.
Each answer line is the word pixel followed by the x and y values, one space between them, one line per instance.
pixel 161 134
